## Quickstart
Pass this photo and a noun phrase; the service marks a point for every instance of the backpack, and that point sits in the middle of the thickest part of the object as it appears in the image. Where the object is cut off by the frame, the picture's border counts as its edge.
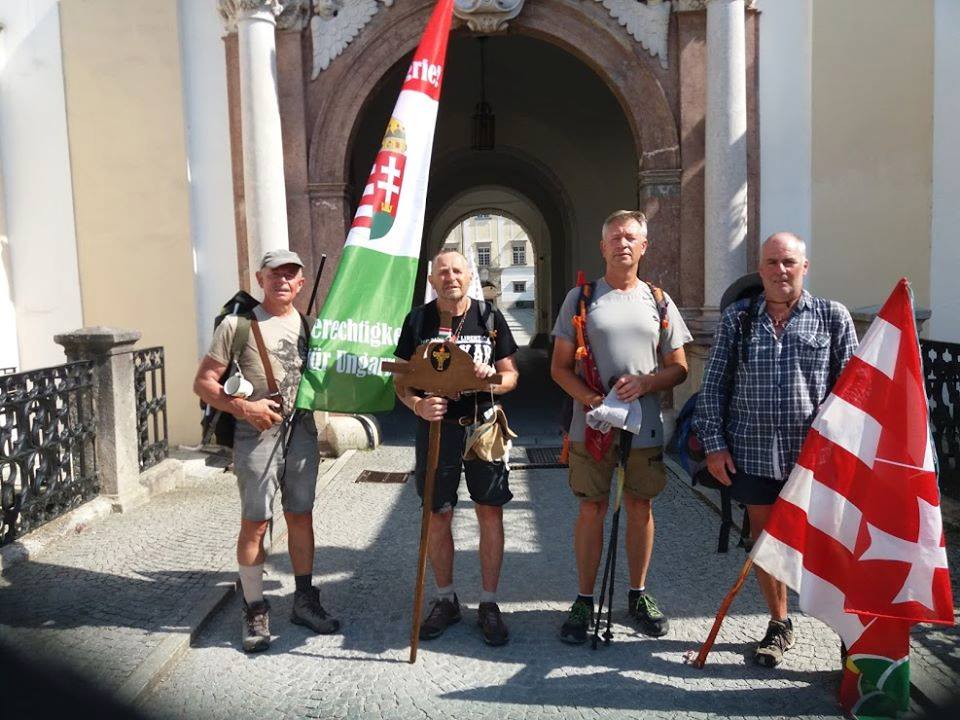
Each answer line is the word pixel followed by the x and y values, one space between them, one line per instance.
pixel 687 445
pixel 216 423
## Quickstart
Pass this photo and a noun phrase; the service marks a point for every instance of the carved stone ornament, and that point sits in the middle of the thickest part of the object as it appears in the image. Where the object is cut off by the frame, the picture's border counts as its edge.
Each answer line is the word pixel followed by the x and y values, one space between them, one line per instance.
pixel 335 23
pixel 486 16
pixel 294 16
pixel 230 10
pixel 648 23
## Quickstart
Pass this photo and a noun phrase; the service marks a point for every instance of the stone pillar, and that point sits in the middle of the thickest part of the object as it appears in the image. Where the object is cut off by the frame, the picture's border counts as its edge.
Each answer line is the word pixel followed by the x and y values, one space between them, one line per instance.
pixel 725 222
pixel 118 463
pixel 265 199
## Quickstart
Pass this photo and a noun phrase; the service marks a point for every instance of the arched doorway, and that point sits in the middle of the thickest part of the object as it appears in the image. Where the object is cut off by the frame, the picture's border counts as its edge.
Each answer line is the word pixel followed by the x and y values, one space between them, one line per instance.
pixel 577 163
pixel 575 133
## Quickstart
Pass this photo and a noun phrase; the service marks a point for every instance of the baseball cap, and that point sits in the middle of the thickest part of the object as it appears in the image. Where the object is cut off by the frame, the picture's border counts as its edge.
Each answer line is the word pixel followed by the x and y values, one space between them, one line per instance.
pixel 276 258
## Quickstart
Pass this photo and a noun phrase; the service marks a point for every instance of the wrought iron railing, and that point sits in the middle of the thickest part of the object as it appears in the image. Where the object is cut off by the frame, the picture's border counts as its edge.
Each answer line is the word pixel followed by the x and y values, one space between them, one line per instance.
pixel 150 385
pixel 941 369
pixel 47 455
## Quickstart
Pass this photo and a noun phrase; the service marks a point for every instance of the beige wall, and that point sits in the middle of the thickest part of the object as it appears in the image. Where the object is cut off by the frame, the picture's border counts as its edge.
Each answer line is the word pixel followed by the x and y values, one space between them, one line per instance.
pixel 872 148
pixel 128 163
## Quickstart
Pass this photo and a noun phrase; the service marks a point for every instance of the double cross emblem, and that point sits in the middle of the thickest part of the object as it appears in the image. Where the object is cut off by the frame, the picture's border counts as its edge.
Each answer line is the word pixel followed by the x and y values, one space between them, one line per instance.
pixel 439 358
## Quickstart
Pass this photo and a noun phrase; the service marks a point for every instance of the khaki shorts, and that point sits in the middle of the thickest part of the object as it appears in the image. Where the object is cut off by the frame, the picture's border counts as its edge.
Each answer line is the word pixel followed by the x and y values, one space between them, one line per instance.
pixel 591 480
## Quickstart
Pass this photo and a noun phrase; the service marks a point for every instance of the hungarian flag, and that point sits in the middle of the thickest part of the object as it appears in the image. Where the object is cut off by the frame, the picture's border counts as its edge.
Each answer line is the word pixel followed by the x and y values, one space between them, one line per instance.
pixel 359 324
pixel 856 530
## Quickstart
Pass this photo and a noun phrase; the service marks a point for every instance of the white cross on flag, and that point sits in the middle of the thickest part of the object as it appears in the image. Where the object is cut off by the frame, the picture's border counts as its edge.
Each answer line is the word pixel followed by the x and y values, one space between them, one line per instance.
pixel 856 530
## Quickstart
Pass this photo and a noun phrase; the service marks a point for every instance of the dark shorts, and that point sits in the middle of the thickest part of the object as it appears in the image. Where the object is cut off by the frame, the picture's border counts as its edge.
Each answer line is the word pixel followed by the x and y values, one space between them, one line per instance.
pixel 487 482
pixel 755 489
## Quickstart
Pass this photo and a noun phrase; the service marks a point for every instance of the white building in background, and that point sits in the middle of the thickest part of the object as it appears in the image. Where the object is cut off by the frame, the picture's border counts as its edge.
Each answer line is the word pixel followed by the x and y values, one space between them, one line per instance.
pixel 503 254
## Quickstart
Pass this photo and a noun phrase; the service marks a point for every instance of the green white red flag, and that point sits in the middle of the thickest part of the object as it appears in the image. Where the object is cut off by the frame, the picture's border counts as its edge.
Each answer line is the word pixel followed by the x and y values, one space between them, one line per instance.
pixel 359 324
pixel 857 530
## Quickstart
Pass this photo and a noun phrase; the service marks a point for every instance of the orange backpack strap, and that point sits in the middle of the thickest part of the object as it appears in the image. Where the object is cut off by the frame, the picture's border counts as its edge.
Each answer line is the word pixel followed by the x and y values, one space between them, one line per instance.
pixel 662 305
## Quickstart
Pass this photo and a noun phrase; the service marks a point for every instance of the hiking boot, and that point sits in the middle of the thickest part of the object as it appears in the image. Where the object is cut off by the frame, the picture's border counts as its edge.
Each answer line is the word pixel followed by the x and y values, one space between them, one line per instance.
pixel 255 630
pixel 647 616
pixel 443 614
pixel 775 643
pixel 491 624
pixel 308 611
pixel 574 630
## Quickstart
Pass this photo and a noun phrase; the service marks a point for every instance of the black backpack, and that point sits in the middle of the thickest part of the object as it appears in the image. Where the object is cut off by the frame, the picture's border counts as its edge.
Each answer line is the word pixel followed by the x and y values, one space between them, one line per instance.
pixel 687 445
pixel 216 423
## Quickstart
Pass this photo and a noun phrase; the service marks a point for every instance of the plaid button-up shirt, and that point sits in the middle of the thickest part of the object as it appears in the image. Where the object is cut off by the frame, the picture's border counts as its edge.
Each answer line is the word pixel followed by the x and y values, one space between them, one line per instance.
pixel 761 408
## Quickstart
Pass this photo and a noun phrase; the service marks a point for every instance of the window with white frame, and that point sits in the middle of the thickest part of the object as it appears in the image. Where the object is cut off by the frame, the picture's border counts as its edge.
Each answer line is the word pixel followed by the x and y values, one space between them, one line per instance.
pixel 519 253
pixel 519 286
pixel 483 256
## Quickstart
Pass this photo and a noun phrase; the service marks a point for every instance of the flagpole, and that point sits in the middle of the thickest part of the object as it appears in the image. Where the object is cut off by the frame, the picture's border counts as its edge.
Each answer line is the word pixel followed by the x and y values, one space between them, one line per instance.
pixel 701 658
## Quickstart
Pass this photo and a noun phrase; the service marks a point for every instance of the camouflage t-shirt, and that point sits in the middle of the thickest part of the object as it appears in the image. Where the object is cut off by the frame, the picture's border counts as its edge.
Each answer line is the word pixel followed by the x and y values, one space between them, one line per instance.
pixel 286 342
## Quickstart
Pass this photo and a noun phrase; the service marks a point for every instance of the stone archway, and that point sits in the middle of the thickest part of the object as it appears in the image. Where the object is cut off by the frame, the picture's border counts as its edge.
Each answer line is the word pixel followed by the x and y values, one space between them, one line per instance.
pixel 644 91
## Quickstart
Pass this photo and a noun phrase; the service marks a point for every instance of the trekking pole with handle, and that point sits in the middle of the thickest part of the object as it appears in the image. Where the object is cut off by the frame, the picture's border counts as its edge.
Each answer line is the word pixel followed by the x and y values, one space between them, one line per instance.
pixel 626 440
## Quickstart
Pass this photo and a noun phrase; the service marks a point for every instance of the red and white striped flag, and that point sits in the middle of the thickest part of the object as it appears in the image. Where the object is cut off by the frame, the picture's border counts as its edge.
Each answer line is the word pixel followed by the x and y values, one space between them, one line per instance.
pixel 856 530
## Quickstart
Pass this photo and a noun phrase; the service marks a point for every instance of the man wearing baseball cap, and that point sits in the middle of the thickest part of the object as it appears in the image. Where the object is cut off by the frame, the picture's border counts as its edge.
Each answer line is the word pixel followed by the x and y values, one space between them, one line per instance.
pixel 270 362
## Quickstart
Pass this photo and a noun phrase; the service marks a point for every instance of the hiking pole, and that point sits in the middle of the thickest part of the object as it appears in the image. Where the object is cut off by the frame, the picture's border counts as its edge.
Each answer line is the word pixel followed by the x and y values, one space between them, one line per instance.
pixel 433 458
pixel 316 283
pixel 626 439
pixel 701 658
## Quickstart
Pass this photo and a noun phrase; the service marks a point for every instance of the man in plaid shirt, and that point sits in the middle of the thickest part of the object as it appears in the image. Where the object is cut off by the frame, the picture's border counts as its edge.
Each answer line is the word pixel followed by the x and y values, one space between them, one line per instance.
pixel 774 361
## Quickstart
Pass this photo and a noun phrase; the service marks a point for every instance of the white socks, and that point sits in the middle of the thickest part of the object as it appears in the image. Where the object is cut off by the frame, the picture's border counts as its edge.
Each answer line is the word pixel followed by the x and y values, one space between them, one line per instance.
pixel 487 597
pixel 251 582
pixel 445 593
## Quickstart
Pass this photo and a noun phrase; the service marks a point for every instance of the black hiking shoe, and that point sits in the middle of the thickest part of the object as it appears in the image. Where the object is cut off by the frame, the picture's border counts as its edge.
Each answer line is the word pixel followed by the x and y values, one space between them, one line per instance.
pixel 647 615
pixel 443 614
pixel 491 624
pixel 308 611
pixel 255 626
pixel 775 643
pixel 574 630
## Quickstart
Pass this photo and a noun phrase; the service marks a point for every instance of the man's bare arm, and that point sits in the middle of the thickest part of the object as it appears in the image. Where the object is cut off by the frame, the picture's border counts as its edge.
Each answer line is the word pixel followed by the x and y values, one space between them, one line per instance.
pixel 563 372
pixel 262 414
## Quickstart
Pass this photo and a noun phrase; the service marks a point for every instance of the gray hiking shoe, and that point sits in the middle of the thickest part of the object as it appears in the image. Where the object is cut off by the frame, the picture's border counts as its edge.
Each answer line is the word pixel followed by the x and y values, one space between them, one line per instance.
pixel 308 611
pixel 775 643
pixel 255 628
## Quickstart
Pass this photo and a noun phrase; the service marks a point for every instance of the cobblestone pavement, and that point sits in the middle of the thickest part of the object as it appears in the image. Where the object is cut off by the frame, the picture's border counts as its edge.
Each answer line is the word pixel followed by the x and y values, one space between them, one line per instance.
pixel 368 535
pixel 102 600
pixel 935 649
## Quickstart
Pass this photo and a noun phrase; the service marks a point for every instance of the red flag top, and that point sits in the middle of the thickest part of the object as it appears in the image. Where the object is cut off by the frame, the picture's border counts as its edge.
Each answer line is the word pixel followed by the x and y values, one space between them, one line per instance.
pixel 426 69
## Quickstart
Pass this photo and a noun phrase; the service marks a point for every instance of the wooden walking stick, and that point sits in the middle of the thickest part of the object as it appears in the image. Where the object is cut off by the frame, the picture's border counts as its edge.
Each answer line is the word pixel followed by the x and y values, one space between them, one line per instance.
pixel 433 457
pixel 701 658
pixel 439 368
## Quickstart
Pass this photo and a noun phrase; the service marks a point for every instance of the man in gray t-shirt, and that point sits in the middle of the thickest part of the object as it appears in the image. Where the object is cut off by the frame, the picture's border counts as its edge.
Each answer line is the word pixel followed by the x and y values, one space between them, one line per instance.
pixel 641 354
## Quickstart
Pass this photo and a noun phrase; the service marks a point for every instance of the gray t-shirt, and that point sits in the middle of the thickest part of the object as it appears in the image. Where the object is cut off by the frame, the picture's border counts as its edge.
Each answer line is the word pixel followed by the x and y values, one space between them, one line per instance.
pixel 623 329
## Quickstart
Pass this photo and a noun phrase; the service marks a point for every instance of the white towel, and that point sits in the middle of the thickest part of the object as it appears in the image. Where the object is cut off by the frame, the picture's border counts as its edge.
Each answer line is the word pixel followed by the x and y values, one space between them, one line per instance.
pixel 613 413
